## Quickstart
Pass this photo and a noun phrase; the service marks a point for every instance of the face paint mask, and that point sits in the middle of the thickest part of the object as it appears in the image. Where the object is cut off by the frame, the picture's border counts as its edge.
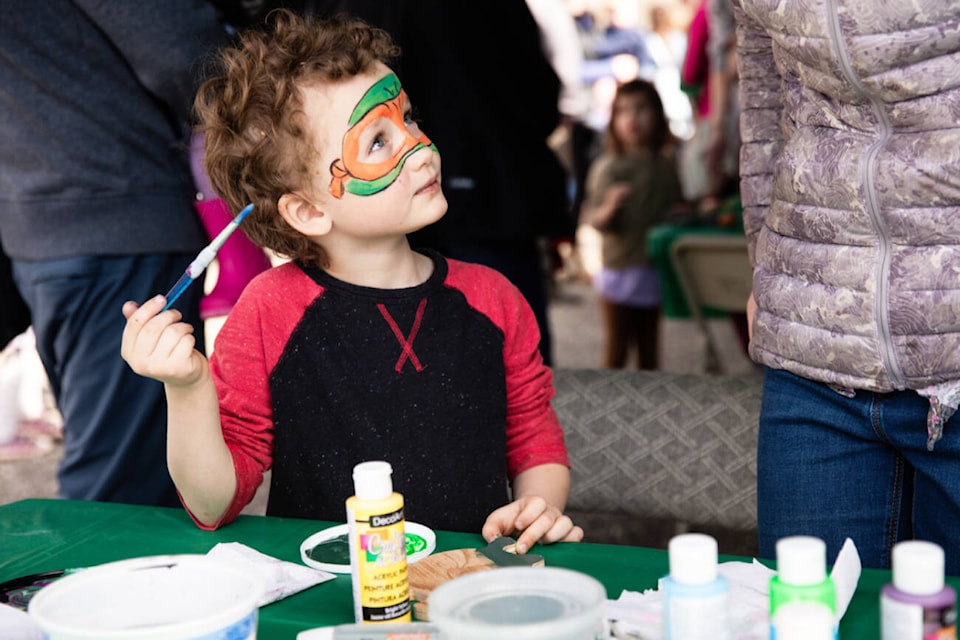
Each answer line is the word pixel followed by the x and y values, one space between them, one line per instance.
pixel 382 106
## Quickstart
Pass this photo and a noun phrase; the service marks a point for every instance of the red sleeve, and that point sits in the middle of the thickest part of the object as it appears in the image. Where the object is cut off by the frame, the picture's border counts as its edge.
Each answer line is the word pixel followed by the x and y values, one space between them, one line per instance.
pixel 534 435
pixel 246 350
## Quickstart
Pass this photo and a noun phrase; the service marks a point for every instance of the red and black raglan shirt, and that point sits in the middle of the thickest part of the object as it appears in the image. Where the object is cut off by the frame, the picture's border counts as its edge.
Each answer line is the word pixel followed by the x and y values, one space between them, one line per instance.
pixel 443 380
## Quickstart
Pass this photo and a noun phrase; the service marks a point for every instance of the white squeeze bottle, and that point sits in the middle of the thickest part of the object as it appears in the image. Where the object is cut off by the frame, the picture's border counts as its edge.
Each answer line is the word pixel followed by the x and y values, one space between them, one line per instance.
pixel 695 596
pixel 802 577
pixel 378 546
pixel 918 604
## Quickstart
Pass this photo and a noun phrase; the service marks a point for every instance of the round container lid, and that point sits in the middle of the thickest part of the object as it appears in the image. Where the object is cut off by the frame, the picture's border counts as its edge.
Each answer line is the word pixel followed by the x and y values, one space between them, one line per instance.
pixel 150 598
pixel 918 567
pixel 520 603
pixel 693 558
pixel 373 480
pixel 801 560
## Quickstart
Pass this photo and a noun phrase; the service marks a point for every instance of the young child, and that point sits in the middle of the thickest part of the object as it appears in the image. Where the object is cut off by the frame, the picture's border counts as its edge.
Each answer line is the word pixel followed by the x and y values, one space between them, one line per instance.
pixel 631 187
pixel 359 348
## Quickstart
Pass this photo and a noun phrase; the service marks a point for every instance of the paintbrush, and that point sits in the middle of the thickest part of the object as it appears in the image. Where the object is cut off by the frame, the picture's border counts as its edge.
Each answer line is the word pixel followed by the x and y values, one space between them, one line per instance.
pixel 205 257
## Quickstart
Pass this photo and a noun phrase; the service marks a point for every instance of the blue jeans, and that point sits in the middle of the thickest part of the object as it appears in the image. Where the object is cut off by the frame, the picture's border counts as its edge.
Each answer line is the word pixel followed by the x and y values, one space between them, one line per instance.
pixel 115 421
pixel 836 467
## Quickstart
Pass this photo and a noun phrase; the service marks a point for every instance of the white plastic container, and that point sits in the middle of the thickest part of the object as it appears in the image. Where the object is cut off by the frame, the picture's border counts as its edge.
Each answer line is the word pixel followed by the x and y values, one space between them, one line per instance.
pixel 520 603
pixel 175 597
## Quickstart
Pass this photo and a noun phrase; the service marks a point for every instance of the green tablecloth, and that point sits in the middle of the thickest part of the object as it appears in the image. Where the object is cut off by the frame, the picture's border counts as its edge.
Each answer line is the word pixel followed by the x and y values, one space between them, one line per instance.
pixel 45 535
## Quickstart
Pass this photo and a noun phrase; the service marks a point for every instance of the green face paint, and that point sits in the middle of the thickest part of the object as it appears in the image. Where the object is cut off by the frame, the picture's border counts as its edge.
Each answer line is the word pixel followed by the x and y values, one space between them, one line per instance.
pixel 380 107
pixel 333 551
pixel 415 544
pixel 337 550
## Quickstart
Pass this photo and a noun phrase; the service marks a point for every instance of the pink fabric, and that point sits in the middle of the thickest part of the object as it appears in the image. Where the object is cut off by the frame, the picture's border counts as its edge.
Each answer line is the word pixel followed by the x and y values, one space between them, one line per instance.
pixel 696 64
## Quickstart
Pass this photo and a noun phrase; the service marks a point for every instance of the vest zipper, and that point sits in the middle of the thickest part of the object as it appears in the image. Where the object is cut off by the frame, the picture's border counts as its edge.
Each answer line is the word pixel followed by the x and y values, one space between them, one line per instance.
pixel 868 177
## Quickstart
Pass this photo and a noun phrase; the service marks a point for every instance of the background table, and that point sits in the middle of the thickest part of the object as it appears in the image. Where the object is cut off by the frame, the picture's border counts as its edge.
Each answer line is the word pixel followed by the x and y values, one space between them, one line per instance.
pixel 660 239
pixel 45 535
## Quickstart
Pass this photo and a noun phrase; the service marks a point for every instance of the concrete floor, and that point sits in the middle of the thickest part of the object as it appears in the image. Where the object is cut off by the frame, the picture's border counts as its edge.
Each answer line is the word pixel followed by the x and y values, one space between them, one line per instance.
pixel 574 318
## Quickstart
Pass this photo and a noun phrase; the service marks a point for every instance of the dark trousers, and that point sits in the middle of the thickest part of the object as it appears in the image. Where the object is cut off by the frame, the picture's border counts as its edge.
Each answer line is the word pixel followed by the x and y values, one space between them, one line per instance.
pixel 14 314
pixel 629 329
pixel 115 421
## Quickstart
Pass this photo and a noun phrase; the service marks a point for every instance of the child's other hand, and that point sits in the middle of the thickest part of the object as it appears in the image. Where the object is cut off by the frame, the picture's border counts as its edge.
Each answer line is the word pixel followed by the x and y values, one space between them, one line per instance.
pixel 618 194
pixel 535 520
pixel 157 345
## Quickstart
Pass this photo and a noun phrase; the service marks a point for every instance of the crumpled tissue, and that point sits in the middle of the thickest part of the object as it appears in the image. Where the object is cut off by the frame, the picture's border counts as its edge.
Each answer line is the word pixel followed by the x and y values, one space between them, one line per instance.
pixel 281 577
pixel 638 616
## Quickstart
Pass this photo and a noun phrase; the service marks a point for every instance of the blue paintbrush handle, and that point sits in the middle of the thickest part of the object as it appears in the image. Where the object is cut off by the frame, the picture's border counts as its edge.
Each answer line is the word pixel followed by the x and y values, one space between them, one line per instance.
pixel 204 258
pixel 185 280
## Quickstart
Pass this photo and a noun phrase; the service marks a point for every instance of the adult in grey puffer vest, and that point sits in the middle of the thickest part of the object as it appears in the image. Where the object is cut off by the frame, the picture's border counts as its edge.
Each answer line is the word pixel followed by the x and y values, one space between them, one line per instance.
pixel 96 207
pixel 850 177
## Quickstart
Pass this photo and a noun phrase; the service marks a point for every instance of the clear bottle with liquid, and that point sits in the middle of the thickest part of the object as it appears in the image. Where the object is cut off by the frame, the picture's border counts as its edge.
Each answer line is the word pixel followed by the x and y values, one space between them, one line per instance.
pixel 695 595
pixel 378 548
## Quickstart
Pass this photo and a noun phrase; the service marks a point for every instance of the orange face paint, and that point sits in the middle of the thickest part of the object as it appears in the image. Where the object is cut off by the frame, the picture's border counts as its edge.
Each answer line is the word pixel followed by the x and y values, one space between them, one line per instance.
pixel 380 106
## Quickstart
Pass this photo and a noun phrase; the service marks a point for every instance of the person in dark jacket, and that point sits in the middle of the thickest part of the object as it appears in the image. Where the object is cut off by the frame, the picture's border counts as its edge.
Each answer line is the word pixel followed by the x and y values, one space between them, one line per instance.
pixel 96 207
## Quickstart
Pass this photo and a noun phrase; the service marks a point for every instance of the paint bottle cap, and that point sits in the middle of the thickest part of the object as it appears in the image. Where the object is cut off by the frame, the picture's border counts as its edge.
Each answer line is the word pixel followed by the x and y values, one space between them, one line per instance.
pixel 373 480
pixel 801 560
pixel 693 558
pixel 918 567
pixel 803 620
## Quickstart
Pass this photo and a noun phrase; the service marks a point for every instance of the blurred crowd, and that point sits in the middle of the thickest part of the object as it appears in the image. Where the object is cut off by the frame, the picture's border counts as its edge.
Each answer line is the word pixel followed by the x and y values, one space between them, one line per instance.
pixel 686 48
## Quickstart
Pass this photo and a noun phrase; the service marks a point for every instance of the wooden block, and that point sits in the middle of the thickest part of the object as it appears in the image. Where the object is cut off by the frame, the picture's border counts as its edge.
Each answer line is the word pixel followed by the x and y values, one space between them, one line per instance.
pixel 429 573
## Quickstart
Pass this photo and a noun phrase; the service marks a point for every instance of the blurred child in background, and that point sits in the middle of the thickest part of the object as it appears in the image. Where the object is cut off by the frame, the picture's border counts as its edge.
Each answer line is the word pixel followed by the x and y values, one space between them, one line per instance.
pixel 631 187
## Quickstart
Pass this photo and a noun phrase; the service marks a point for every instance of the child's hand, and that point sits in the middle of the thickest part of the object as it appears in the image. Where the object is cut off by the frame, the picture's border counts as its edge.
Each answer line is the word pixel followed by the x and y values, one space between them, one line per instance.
pixel 159 346
pixel 617 194
pixel 536 520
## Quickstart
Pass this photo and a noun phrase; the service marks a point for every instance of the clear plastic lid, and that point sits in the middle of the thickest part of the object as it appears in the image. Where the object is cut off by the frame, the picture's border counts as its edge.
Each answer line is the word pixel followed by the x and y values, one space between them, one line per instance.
pixel 373 480
pixel 520 603
pixel 918 567
pixel 693 558
pixel 801 560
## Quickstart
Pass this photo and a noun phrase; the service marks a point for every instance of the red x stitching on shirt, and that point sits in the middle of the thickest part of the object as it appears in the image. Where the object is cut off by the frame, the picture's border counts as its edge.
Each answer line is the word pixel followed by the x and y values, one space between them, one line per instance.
pixel 405 342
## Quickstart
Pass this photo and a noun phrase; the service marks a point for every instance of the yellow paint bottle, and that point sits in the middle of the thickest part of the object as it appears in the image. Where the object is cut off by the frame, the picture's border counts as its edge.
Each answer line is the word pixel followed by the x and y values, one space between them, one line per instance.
pixel 378 548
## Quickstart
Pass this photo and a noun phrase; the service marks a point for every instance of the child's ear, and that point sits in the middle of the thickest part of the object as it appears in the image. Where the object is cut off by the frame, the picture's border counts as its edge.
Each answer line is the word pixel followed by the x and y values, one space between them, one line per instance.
pixel 303 215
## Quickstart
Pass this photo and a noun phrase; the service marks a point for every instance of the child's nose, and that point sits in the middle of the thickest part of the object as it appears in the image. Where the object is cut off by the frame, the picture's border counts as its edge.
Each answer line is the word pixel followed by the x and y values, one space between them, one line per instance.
pixel 420 158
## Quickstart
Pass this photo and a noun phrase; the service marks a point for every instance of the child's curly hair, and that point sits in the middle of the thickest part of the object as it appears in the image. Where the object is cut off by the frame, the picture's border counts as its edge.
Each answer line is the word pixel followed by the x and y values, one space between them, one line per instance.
pixel 258 145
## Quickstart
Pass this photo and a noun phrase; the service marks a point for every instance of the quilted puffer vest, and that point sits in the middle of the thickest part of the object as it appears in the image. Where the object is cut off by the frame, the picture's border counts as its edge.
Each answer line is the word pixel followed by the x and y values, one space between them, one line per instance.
pixel 850 178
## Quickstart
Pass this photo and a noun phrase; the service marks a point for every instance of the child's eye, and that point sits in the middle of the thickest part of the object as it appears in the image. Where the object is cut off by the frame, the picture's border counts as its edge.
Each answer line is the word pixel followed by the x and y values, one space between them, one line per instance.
pixel 377 143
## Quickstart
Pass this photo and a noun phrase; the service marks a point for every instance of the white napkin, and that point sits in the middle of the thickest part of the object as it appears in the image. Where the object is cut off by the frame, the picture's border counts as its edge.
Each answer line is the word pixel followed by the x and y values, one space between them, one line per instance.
pixel 638 616
pixel 281 577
